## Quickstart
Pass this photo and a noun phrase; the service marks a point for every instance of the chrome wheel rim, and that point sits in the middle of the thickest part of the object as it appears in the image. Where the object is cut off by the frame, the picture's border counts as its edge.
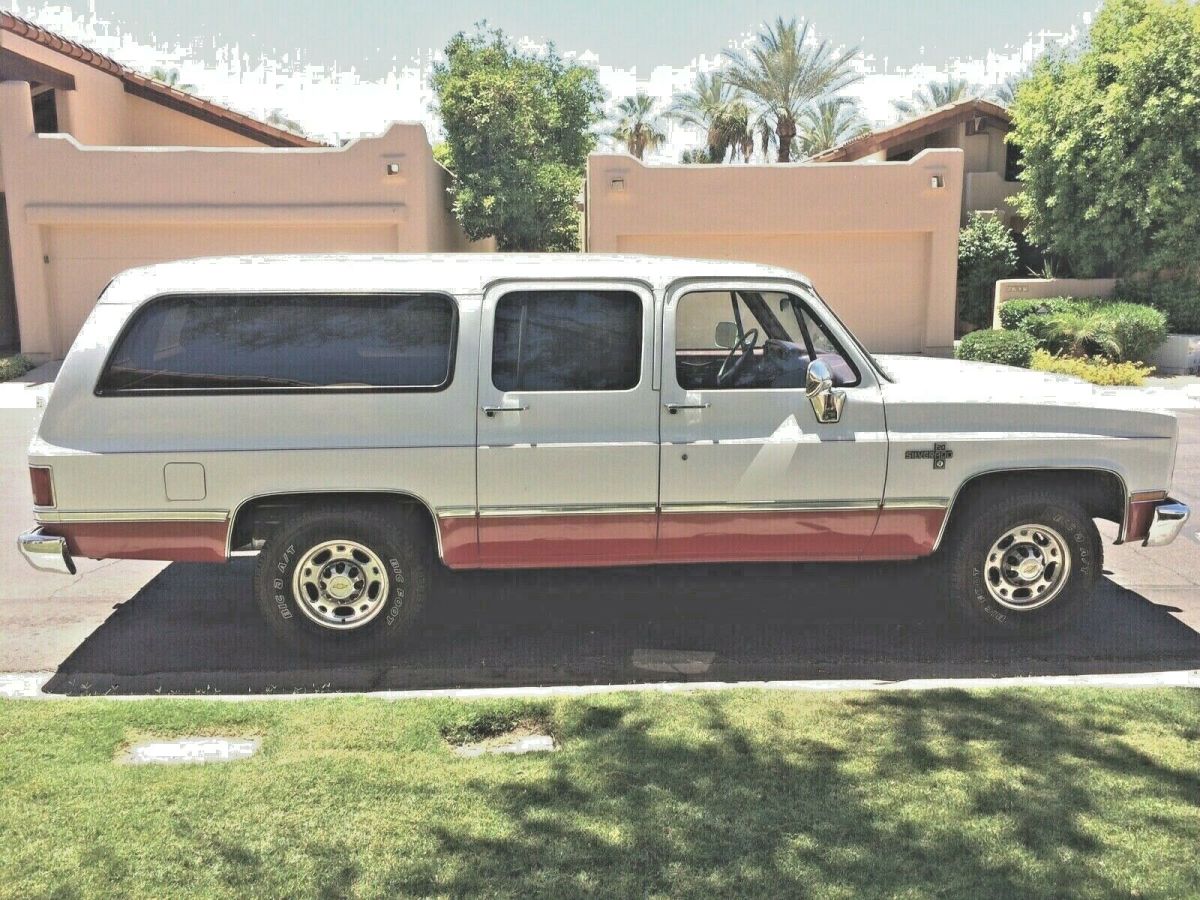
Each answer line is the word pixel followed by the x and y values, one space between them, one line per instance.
pixel 1027 567
pixel 340 585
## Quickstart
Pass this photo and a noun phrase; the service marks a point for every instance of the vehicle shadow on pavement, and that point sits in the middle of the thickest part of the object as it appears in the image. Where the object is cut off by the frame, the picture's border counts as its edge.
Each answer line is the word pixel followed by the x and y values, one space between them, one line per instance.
pixel 194 629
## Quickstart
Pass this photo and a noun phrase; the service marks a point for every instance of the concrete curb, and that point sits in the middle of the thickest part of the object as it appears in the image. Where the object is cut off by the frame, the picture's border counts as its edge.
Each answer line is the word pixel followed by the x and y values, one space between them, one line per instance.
pixel 29 686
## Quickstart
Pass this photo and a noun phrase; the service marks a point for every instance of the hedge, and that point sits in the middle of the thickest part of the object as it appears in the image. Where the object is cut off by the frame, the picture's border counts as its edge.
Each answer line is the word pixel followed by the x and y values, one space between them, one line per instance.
pixel 1009 348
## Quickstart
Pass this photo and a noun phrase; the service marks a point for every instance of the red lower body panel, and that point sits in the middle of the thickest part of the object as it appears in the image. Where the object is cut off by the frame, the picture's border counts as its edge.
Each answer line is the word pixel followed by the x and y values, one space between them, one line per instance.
pixel 522 542
pixel 1139 514
pixel 181 541
pixel 765 536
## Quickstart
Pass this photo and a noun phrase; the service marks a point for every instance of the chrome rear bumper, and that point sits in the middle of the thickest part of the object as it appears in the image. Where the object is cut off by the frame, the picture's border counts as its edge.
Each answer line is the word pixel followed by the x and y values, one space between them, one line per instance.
pixel 1169 519
pixel 45 552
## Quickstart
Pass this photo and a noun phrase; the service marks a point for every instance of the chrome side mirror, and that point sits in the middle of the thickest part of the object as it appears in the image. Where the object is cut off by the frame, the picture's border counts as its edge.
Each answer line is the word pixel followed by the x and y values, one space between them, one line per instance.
pixel 726 335
pixel 818 387
pixel 819 379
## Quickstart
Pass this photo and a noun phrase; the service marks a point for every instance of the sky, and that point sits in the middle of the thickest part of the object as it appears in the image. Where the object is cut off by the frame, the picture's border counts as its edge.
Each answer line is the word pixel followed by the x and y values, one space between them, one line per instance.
pixel 369 34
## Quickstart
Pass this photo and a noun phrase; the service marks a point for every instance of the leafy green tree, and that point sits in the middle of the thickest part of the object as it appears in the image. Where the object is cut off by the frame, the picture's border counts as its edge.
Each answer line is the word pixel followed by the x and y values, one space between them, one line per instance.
pixel 987 252
pixel 719 110
pixel 829 123
pixel 637 125
pixel 518 131
pixel 783 72
pixel 935 95
pixel 1108 135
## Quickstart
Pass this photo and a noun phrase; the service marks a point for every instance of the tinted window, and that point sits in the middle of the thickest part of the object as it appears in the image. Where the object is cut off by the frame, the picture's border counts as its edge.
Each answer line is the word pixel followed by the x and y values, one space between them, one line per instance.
pixel 567 341
pixel 263 342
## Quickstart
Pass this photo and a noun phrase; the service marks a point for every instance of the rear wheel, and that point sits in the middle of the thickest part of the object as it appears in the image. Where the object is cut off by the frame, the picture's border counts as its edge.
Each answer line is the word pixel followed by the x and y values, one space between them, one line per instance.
pixel 1022 563
pixel 342 584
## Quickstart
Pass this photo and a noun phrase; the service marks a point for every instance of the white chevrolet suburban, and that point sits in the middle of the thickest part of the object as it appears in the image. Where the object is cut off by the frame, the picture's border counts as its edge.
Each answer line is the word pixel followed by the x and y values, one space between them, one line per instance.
pixel 352 420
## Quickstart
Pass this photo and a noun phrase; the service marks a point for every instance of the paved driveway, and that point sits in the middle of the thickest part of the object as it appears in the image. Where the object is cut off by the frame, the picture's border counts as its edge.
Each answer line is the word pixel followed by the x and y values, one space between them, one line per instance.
pixel 136 627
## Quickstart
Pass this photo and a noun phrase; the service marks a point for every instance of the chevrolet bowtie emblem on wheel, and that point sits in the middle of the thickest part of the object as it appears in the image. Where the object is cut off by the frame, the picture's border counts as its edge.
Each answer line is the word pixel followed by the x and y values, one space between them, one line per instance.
pixel 939 454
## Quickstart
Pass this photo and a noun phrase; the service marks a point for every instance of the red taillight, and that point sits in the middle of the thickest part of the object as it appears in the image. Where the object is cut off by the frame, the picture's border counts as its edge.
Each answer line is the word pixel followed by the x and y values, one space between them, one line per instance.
pixel 43 485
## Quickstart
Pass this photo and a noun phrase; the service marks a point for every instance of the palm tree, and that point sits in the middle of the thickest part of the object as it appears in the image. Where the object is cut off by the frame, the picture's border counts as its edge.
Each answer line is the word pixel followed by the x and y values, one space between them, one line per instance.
pixel 277 118
pixel 784 72
pixel 717 108
pixel 1079 333
pixel 637 125
pixel 829 123
pixel 1006 92
pixel 170 79
pixel 934 95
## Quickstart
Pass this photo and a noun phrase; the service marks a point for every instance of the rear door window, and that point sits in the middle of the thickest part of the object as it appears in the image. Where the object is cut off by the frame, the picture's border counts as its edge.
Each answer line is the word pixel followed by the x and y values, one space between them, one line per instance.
pixel 567 340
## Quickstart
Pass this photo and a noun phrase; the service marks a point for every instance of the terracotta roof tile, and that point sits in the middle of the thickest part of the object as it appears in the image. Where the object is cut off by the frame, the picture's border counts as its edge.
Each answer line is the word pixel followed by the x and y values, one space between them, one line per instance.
pixel 150 89
pixel 932 121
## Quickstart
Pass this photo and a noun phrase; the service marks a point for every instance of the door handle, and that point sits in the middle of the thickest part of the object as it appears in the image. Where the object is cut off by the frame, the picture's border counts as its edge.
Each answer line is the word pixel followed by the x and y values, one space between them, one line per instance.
pixel 491 411
pixel 673 408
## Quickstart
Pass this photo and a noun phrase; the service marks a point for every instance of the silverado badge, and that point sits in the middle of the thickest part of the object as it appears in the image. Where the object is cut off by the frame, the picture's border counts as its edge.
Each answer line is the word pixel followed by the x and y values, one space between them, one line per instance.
pixel 939 454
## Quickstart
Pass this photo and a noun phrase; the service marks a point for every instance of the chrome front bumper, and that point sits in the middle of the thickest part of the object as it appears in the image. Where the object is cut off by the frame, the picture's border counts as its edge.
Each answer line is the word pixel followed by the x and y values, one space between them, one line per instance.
pixel 45 552
pixel 1169 519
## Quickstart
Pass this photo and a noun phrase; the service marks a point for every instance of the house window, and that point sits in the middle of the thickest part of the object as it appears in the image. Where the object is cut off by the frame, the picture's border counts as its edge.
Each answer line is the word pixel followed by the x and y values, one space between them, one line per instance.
pixel 1012 162
pixel 45 113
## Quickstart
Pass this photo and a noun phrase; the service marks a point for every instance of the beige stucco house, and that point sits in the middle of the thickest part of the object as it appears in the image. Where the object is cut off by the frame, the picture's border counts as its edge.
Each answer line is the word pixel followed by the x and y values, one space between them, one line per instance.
pixel 976 127
pixel 102 168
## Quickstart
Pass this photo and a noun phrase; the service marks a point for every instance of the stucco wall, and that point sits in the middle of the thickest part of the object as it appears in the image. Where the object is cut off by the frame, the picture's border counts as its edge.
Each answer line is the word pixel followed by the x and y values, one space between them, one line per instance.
pixel 78 215
pixel 878 240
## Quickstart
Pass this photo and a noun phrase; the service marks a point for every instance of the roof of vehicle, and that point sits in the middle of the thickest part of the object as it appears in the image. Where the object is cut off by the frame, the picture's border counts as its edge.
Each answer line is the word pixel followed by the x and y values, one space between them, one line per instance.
pixel 459 273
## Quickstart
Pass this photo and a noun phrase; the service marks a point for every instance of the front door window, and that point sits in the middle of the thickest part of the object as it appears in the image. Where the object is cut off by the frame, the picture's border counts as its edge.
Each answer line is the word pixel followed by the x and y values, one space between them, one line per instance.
pixel 745 339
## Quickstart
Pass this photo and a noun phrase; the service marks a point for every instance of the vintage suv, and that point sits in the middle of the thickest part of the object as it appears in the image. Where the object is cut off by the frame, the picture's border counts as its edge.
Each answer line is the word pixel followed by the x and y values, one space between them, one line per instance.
pixel 351 420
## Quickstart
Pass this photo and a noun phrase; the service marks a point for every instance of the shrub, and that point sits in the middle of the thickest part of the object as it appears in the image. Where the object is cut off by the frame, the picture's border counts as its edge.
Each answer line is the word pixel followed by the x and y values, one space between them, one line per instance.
pixel 1014 313
pixel 1116 329
pixel 1009 348
pixel 1177 298
pixel 1076 332
pixel 986 253
pixel 1096 370
pixel 1138 330
pixel 14 366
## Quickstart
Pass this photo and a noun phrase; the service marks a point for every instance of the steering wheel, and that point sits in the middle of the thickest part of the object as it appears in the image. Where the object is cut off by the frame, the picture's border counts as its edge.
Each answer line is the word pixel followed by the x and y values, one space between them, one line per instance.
pixel 734 363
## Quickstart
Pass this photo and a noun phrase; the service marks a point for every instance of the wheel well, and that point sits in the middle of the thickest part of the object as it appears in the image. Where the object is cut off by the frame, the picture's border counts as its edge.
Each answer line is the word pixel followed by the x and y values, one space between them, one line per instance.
pixel 256 518
pixel 1100 492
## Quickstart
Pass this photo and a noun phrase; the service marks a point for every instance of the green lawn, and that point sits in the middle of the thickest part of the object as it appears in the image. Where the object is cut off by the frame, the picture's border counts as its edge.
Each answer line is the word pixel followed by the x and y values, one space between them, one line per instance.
pixel 1020 793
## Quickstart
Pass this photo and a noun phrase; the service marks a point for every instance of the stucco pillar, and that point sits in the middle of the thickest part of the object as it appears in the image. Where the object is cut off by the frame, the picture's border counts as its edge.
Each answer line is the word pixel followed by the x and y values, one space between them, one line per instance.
pixel 940 313
pixel 18 155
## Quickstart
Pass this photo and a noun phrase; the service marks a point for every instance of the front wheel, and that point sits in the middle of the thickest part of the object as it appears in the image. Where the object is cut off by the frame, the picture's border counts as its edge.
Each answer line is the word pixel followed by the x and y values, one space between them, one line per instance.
pixel 1022 563
pixel 342 584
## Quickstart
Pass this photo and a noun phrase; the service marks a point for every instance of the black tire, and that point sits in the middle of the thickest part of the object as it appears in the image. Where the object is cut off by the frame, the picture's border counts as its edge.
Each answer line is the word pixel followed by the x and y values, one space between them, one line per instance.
pixel 396 540
pixel 970 563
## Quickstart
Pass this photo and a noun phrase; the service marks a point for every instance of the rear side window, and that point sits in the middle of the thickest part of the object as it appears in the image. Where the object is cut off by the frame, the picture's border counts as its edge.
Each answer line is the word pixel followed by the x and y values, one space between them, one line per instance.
pixel 263 342
pixel 570 340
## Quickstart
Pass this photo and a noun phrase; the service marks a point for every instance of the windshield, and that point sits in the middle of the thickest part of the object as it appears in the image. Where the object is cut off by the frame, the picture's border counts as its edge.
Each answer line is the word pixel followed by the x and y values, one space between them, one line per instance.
pixel 883 373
